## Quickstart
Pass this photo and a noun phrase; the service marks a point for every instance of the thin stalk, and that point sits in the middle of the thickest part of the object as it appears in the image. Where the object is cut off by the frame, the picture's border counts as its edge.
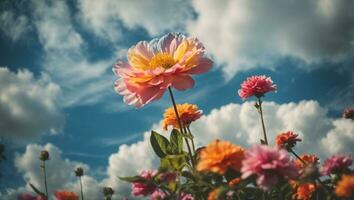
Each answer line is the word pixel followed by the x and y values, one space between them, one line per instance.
pixel 192 139
pixel 262 120
pixel 45 178
pixel 82 192
pixel 180 125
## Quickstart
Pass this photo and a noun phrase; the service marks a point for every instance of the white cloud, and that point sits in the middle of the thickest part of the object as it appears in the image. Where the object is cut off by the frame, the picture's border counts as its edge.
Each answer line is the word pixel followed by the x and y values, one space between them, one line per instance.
pixel 66 58
pixel 156 16
pixel 28 106
pixel 245 34
pixel 14 26
pixel 60 172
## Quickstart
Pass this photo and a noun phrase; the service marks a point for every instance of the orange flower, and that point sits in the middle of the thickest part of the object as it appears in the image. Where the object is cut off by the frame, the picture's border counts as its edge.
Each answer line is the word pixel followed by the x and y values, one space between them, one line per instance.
pixel 65 195
pixel 213 194
pixel 345 187
pixel 234 181
pixel 188 113
pixel 304 191
pixel 287 140
pixel 219 156
pixel 308 159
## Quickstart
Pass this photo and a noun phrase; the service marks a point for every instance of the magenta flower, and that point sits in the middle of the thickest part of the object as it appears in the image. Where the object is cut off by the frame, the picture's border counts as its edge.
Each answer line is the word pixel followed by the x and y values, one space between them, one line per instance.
pixel 184 196
pixel 143 189
pixel 256 86
pixel 336 164
pixel 27 196
pixel 268 164
pixel 157 195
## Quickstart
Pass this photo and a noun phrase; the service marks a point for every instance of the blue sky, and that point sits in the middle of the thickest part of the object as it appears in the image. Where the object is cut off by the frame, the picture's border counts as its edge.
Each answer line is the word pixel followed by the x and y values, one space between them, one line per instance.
pixel 69 47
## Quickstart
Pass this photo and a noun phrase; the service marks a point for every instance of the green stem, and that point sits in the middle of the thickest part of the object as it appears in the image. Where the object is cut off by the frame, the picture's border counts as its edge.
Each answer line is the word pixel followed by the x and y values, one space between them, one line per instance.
pixel 45 178
pixel 180 125
pixel 82 192
pixel 192 139
pixel 262 120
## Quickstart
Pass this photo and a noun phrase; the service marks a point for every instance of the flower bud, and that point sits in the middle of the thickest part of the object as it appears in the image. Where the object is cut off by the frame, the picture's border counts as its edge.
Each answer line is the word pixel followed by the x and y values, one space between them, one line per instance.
pixel 108 191
pixel 79 171
pixel 44 155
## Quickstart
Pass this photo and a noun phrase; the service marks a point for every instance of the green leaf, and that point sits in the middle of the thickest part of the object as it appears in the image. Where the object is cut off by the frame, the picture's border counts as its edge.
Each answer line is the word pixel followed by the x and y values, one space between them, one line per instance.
pixel 36 190
pixel 133 179
pixel 159 143
pixel 176 142
pixel 173 162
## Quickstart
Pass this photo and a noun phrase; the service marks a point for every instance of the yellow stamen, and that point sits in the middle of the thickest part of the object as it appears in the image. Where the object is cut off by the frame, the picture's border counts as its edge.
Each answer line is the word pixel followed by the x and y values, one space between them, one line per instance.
pixel 164 60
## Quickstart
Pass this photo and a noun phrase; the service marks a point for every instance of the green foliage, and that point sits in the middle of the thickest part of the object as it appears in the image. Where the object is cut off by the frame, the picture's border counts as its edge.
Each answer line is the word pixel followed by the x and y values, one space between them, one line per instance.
pixel 176 142
pixel 159 143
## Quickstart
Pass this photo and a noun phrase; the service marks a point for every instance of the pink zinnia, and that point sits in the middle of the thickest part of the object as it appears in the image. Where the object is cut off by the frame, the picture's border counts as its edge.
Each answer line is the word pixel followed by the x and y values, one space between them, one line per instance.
pixel 154 66
pixel 157 195
pixel 143 189
pixel 336 164
pixel 256 86
pixel 66 195
pixel 268 164
pixel 27 196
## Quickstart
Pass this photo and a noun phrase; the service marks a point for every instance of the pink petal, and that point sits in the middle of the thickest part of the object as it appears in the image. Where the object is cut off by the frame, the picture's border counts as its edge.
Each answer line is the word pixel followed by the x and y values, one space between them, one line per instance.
pixel 182 82
pixel 205 65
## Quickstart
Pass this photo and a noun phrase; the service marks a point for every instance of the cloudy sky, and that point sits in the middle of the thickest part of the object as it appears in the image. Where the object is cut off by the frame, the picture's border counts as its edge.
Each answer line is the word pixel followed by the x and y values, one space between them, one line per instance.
pixel 56 82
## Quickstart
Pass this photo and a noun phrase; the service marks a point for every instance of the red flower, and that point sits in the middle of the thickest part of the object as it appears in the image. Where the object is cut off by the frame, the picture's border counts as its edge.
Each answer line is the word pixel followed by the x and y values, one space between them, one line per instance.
pixel 66 195
pixel 287 140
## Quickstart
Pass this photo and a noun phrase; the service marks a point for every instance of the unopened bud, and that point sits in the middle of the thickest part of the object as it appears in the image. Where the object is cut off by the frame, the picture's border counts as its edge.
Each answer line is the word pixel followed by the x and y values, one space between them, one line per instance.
pixel 44 155
pixel 108 191
pixel 79 171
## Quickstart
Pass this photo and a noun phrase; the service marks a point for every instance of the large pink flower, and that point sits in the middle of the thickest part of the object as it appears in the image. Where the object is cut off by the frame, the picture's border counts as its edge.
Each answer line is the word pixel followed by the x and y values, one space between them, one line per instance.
pixel 154 66
pixel 143 189
pixel 268 164
pixel 256 86
pixel 336 164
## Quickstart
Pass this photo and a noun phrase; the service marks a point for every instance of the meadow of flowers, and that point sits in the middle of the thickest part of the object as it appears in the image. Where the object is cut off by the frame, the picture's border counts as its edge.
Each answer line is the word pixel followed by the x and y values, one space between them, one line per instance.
pixel 220 169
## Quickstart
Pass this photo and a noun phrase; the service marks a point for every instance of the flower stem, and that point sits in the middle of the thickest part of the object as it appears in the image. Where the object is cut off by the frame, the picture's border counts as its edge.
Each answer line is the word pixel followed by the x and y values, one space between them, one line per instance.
pixel 262 120
pixel 45 178
pixel 192 139
pixel 82 192
pixel 180 125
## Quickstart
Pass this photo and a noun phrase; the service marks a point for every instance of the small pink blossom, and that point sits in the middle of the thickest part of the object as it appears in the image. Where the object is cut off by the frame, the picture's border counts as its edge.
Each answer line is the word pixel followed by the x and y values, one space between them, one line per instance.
pixel 336 164
pixel 143 189
pixel 256 86
pixel 268 164
pixel 184 196
pixel 27 196
pixel 157 195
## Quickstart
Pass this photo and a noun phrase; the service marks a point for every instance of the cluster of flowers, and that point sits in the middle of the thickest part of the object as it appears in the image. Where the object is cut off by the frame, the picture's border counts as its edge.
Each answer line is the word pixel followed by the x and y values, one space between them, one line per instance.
pixel 220 170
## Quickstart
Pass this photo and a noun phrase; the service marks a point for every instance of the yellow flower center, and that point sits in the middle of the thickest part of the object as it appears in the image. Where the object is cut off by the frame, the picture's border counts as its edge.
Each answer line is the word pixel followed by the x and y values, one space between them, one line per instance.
pixel 164 60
